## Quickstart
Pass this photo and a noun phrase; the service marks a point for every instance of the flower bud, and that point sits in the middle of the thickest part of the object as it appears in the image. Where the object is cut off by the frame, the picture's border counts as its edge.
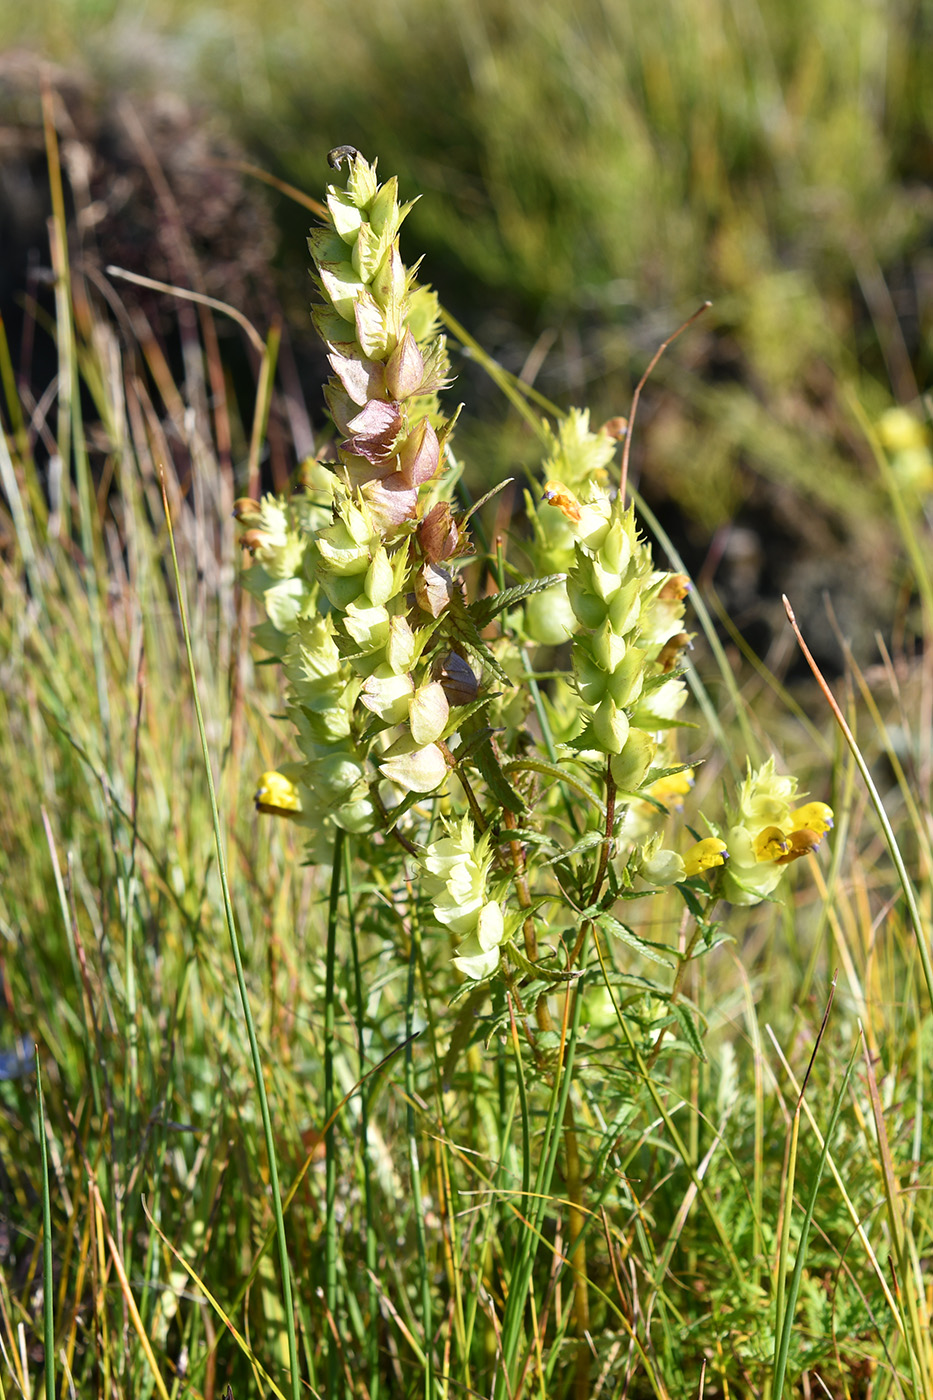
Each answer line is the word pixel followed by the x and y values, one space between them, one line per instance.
pixel 659 866
pixel 549 618
pixel 380 578
pixel 421 770
pixel 630 767
pixel 610 727
pixel 433 589
pixel 368 627
pixel 438 533
pixel 401 647
pixel 428 713
pixel 388 695
pixel 404 371
pixel 246 511
pixel 345 214
pixel 458 679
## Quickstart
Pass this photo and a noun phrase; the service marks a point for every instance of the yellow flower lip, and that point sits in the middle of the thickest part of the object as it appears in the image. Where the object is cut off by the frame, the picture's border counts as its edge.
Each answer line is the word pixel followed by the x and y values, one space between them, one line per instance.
pixel 813 816
pixel 674 788
pixel 800 843
pixel 276 795
pixel 565 501
pixel 770 843
pixel 802 831
pixel 705 855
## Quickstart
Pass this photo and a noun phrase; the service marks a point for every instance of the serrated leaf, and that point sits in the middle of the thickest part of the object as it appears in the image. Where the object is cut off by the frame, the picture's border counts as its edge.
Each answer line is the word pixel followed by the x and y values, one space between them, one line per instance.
pixel 654 952
pixel 692 902
pixel 464 1032
pixel 716 935
pixel 526 834
pixel 471 741
pixel 484 610
pixel 501 1019
pixel 461 628
pixel 460 713
pixel 532 969
pixel 691 1030
pixel 640 984
pixel 655 682
pixel 594 838
pixel 560 775
pixel 483 755
pixel 411 799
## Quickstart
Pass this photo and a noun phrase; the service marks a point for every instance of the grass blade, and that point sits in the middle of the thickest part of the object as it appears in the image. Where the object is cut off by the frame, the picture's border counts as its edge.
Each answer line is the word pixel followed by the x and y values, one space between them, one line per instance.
pixel 241 978
pixel 48 1284
pixel 787 1324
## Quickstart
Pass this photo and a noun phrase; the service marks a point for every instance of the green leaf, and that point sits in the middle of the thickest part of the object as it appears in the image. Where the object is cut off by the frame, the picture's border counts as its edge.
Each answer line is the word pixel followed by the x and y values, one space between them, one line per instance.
pixel 484 757
pixel 465 1031
pixel 526 835
pixel 461 628
pixel 484 610
pixel 559 775
pixel 693 903
pixel 690 1029
pixel 538 969
pixel 460 713
pixel 593 838
pixel 637 983
pixel 655 952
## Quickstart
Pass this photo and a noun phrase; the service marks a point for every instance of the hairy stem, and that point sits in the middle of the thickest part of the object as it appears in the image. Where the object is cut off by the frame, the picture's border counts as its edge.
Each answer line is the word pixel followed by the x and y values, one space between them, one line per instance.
pixel 679 979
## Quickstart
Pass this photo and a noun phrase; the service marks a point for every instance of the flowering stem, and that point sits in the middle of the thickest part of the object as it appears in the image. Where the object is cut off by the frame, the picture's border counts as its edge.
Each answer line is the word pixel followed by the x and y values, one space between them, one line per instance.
pixel 641 384
pixel 476 812
pixel 607 843
pixel 379 805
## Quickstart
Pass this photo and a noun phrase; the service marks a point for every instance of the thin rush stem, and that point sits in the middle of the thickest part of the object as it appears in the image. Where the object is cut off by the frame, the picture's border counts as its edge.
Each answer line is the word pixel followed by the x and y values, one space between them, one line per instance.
pixel 572 1167
pixel 623 479
pixel 679 979
pixel 910 895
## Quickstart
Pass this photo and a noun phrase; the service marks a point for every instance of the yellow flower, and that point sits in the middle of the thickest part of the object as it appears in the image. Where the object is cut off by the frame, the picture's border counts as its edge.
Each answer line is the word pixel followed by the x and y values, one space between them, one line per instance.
pixel 673 789
pixel 814 816
pixel 277 795
pixel 705 855
pixel 770 843
pixel 767 834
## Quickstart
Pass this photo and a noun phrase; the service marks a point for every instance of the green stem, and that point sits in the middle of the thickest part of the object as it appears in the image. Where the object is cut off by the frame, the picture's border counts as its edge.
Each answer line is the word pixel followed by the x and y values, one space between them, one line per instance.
pixel 415 1168
pixel 48 1282
pixel 330 1187
pixel 678 986
pixel 573 1174
pixel 607 842
pixel 371 1251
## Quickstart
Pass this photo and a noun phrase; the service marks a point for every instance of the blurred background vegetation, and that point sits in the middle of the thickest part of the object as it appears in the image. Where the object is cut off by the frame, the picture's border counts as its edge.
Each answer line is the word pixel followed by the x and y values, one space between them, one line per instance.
pixel 589 174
